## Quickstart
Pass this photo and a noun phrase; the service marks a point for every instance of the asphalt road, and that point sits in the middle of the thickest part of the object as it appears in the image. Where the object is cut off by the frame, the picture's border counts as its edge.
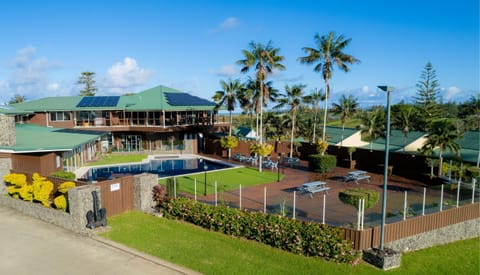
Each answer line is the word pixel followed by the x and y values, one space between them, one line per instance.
pixel 31 246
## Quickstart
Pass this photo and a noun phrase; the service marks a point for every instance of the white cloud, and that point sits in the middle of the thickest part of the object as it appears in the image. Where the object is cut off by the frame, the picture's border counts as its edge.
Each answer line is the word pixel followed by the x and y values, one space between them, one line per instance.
pixel 226 71
pixel 229 23
pixel 53 86
pixel 365 89
pixel 28 76
pixel 126 74
pixel 451 92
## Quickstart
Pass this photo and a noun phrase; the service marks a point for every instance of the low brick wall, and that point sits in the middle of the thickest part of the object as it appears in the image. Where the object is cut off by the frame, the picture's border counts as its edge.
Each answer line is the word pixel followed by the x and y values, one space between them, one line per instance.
pixel 460 231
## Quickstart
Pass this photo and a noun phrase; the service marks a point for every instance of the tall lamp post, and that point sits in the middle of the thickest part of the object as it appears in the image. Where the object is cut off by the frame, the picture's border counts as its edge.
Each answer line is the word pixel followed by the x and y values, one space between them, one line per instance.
pixel 387 89
pixel 278 168
pixel 205 168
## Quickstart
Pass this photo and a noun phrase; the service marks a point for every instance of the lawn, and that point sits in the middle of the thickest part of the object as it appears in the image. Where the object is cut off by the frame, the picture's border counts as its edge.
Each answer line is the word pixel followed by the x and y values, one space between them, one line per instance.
pixel 214 253
pixel 114 159
pixel 229 179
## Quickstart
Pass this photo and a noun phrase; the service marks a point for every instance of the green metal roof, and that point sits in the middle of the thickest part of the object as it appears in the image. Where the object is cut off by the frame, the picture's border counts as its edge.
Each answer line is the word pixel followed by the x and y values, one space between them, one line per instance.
pixel 397 140
pixel 334 134
pixel 33 138
pixel 153 99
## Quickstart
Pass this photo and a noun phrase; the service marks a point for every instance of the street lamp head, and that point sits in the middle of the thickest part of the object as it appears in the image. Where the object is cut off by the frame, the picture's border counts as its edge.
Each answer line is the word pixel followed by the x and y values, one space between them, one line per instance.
pixel 205 167
pixel 386 88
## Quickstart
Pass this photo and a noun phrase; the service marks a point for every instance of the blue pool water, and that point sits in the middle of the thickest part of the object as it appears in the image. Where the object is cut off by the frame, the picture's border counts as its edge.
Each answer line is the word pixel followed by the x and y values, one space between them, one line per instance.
pixel 161 167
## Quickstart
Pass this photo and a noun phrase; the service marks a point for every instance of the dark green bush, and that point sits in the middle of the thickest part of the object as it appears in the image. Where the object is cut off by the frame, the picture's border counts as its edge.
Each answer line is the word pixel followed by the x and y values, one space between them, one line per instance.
pixel 351 196
pixel 322 164
pixel 305 238
pixel 64 175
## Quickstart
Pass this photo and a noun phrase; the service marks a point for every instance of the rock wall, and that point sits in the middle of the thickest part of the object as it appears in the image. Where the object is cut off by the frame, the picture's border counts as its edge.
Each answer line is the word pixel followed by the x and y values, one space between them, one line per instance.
pixel 460 231
pixel 8 134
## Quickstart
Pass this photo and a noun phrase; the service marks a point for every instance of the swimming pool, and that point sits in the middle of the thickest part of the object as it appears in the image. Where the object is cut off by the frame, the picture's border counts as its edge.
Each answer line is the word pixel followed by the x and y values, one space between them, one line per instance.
pixel 161 167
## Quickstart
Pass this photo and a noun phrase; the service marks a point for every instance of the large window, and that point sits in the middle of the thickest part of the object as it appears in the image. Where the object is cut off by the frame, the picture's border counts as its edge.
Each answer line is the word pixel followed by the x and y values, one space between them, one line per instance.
pixel 59 116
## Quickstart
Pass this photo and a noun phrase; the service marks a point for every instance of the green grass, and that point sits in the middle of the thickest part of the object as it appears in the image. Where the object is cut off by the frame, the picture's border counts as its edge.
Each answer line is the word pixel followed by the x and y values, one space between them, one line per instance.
pixel 114 159
pixel 226 180
pixel 214 253
pixel 352 123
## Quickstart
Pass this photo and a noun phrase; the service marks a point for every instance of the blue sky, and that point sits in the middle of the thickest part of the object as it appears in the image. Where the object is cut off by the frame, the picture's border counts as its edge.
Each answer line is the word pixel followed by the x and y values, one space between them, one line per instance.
pixel 192 45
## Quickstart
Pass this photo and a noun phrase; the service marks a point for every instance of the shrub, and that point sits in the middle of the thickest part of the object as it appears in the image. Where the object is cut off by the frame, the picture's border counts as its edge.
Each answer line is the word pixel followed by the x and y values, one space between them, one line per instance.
pixel 42 188
pixel 229 142
pixel 351 196
pixel 305 238
pixel 60 202
pixel 15 183
pixel 64 175
pixel 63 188
pixel 263 149
pixel 322 163
pixel 159 194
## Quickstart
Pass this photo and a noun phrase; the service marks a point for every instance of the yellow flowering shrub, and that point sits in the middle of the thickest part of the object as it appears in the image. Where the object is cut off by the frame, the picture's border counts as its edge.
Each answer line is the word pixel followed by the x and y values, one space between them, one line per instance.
pixel 63 188
pixel 261 149
pixel 26 192
pixel 60 202
pixel 42 189
pixel 15 179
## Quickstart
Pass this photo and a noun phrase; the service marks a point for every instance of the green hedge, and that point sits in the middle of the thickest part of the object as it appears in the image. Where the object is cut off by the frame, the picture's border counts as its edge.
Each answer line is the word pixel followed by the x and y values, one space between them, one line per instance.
pixel 305 238
pixel 351 196
pixel 322 164
pixel 63 175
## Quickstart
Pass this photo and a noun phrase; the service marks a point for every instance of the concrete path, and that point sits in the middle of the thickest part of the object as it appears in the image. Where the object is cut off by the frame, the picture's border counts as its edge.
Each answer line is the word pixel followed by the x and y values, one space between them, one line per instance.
pixel 31 246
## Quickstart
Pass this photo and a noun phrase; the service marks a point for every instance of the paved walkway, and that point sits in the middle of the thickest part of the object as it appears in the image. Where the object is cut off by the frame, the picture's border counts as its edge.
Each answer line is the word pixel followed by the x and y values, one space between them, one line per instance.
pixel 31 246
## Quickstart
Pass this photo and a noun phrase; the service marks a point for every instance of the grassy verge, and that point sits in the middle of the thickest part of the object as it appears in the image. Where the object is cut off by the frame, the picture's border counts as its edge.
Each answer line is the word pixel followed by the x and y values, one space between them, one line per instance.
pixel 215 253
pixel 226 180
pixel 113 159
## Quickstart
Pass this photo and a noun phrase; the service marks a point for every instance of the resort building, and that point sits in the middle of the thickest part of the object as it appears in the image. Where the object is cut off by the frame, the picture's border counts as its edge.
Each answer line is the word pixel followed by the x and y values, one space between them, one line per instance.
pixel 156 119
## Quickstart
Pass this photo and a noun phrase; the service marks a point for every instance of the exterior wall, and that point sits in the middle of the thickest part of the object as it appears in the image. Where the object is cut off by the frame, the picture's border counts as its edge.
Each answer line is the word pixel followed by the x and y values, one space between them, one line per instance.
pixel 448 234
pixel 44 164
pixel 80 202
pixel 354 140
pixel 62 124
pixel 415 145
pixel 143 187
pixel 8 135
pixel 5 166
pixel 39 119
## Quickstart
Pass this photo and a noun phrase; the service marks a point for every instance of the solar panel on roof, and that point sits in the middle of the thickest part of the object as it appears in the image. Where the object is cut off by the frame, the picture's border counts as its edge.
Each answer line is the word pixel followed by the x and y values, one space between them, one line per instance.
pixel 98 101
pixel 184 99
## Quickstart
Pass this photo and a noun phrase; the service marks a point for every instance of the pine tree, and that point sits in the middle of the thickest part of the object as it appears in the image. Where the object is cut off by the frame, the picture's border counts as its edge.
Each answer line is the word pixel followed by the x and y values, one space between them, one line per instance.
pixel 87 79
pixel 427 96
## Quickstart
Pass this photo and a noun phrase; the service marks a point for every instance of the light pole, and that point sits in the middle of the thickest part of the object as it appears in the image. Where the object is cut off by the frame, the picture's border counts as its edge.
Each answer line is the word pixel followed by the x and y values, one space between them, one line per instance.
pixel 278 168
pixel 387 89
pixel 205 168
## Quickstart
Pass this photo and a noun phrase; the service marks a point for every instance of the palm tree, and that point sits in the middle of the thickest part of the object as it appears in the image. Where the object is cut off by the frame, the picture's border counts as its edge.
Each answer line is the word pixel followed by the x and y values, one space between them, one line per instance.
pixel 292 98
pixel 442 134
pixel 314 98
pixel 263 59
pixel 346 107
pixel 228 97
pixel 329 52
pixel 373 125
pixel 404 118
pixel 251 96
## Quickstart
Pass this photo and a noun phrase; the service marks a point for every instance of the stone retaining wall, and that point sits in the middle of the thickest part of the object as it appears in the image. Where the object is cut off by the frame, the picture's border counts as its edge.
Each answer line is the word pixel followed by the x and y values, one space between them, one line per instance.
pixel 80 202
pixel 143 187
pixel 460 231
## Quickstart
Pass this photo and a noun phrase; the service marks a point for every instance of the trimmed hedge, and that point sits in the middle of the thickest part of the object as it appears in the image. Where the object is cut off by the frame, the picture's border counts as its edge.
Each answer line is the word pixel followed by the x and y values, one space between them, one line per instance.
pixel 322 163
pixel 304 238
pixel 351 196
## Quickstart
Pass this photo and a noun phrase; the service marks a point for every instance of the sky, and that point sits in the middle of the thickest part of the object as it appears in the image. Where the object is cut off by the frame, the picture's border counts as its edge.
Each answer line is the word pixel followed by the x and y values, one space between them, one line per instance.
pixel 193 45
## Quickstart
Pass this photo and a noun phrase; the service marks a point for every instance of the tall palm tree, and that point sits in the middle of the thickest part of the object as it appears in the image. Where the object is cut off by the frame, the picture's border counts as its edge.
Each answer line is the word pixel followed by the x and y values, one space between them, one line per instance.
pixel 263 59
pixel 373 125
pixel 314 98
pixel 293 98
pixel 228 96
pixel 251 96
pixel 346 107
pixel 442 134
pixel 404 118
pixel 329 52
